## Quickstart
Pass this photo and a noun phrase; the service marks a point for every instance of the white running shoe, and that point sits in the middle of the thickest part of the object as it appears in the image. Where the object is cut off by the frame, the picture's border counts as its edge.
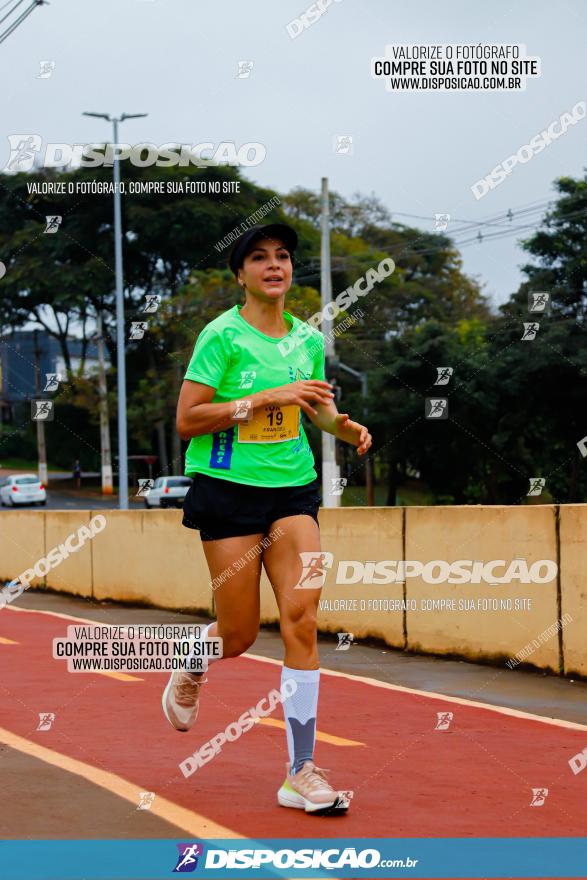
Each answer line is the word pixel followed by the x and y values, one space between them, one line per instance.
pixel 181 699
pixel 309 790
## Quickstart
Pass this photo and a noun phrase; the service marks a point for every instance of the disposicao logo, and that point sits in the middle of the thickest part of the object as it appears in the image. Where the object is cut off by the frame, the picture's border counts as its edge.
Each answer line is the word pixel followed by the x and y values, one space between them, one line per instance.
pixel 187 860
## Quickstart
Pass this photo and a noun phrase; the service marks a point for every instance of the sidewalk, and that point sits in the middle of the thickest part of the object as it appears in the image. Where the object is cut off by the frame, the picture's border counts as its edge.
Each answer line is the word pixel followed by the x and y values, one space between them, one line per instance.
pixel 91 493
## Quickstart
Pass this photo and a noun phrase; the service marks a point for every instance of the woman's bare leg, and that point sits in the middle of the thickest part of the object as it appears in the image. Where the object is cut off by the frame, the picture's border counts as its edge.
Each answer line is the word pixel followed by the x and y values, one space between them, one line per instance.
pixel 297 607
pixel 237 598
pixel 237 607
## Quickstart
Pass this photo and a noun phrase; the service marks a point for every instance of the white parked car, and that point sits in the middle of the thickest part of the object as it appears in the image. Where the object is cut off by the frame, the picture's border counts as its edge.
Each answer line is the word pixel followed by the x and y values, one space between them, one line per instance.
pixel 22 489
pixel 168 492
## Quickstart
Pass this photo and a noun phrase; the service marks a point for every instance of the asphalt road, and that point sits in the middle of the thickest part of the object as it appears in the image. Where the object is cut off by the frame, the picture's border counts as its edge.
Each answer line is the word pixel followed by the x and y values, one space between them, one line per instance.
pixel 59 499
pixel 536 692
pixel 66 497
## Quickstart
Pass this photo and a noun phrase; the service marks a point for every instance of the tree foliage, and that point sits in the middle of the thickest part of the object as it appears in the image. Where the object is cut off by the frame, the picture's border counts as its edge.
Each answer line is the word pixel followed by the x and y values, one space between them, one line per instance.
pixel 514 404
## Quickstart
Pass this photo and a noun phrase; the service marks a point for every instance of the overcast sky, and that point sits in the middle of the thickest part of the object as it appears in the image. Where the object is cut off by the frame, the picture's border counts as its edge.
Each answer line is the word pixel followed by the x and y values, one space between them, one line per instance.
pixel 419 152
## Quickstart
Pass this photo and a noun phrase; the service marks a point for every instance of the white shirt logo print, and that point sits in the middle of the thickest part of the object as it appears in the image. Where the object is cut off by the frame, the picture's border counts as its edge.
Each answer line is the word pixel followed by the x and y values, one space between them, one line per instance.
pixel 247 378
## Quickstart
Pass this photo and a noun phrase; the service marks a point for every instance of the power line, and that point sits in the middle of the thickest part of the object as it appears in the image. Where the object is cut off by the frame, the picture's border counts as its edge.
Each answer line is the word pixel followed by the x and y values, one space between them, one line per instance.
pixel 21 17
pixel 504 233
pixel 342 263
pixel 531 206
pixel 497 220
pixel 10 11
pixel 501 220
pixel 504 221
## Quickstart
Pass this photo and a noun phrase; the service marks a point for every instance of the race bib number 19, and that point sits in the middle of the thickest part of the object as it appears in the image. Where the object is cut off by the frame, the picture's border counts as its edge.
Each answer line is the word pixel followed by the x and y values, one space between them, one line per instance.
pixel 271 424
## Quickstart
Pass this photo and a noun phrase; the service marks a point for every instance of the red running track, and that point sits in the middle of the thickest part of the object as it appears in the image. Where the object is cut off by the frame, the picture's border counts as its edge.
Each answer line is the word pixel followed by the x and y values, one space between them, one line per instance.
pixel 409 780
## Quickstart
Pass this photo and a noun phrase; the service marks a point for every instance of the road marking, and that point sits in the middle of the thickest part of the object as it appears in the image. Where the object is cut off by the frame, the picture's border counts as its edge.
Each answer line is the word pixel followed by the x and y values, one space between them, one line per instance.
pixel 120 676
pixel 446 698
pixel 189 821
pixel 323 737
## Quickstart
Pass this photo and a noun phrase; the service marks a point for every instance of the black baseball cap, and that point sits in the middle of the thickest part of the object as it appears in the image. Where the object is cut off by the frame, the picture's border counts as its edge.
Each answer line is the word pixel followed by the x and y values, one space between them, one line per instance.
pixel 271 230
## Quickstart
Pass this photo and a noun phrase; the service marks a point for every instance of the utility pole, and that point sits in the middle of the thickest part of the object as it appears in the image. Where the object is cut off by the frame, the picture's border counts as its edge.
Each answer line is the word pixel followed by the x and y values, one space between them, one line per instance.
pixel 330 470
pixel 368 459
pixel 120 340
pixel 104 421
pixel 176 461
pixel 41 447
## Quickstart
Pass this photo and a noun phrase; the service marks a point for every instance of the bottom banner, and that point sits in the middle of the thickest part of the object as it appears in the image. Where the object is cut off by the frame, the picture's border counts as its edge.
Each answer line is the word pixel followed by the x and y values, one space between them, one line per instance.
pixel 551 857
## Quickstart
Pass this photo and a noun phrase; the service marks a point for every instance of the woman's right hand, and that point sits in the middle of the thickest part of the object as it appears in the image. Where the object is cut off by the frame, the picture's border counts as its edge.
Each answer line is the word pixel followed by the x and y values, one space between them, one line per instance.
pixel 303 393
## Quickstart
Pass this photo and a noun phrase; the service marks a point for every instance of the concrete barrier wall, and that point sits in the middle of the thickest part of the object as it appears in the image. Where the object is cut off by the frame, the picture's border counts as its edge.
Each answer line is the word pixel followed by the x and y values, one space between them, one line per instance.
pixel 22 542
pixel 76 571
pixel 363 534
pixel 147 557
pixel 481 621
pixel 573 541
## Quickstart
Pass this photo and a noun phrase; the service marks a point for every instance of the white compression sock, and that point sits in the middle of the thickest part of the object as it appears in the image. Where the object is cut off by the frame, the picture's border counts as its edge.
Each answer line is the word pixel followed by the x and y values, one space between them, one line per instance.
pixel 300 715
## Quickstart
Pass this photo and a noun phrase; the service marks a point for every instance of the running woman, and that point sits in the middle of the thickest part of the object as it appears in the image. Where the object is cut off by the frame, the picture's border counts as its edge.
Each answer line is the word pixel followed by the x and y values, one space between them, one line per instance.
pixel 255 476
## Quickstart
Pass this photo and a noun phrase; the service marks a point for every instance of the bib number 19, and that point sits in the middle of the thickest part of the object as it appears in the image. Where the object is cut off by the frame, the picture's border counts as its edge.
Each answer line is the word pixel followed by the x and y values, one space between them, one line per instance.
pixel 272 424
pixel 275 418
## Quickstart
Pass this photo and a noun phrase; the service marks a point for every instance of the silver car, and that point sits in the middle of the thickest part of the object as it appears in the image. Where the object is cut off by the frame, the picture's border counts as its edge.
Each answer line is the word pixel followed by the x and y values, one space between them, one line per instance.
pixel 22 489
pixel 168 492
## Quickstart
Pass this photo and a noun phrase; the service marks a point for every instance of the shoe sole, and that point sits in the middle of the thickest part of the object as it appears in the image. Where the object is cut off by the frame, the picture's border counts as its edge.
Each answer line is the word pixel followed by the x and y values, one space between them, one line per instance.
pixel 289 799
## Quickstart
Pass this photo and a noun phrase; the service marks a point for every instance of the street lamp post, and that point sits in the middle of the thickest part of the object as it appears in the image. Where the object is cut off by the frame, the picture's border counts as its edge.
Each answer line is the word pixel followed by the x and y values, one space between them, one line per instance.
pixel 120 340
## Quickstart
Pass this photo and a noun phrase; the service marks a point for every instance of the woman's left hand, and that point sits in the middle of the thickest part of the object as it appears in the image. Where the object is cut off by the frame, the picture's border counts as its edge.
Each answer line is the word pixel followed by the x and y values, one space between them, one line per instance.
pixel 353 433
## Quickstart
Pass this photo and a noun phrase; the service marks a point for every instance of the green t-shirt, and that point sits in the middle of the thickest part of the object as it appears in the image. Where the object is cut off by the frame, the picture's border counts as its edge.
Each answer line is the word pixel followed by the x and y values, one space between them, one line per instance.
pixel 236 359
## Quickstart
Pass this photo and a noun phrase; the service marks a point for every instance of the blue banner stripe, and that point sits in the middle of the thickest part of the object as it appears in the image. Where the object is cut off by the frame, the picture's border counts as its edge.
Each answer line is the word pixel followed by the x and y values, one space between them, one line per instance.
pixel 557 857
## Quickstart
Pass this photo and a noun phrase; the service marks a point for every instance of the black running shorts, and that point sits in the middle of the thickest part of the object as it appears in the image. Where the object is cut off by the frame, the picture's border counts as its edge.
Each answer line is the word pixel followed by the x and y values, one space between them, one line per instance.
pixel 223 509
